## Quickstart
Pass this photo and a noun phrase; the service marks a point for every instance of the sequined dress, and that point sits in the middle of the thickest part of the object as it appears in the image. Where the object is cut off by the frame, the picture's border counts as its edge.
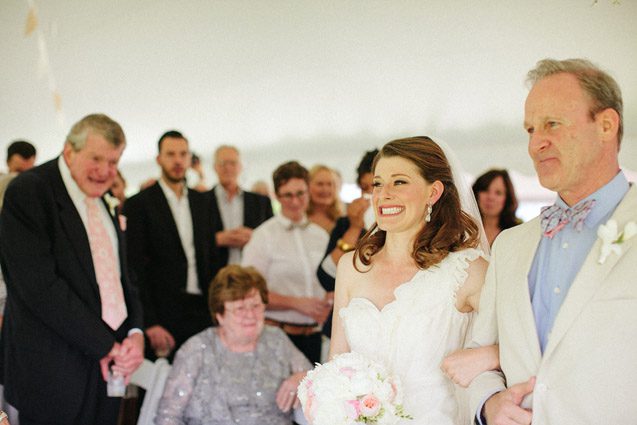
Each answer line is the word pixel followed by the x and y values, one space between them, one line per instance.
pixel 412 334
pixel 210 385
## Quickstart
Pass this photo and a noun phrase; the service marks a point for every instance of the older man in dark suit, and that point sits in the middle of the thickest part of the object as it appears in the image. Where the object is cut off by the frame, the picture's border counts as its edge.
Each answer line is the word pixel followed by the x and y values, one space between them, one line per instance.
pixel 170 245
pixel 71 311
pixel 234 211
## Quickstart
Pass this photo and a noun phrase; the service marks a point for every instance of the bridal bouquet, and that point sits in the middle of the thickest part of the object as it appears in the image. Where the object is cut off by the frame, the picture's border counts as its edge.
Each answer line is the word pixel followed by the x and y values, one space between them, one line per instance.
pixel 351 389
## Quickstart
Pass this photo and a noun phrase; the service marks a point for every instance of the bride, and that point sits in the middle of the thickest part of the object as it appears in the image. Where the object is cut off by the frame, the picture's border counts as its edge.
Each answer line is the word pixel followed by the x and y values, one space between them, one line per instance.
pixel 405 295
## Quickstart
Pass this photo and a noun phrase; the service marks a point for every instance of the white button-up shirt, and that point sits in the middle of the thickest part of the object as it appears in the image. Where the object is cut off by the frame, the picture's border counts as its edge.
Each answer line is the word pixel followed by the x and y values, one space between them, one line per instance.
pixel 78 197
pixel 288 256
pixel 231 211
pixel 180 209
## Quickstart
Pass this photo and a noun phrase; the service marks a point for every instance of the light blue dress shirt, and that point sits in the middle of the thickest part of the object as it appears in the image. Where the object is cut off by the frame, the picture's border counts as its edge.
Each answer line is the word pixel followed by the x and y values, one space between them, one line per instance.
pixel 558 260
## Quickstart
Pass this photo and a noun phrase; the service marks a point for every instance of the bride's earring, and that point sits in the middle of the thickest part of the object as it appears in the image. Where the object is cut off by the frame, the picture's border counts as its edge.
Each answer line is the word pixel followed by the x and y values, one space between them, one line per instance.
pixel 428 217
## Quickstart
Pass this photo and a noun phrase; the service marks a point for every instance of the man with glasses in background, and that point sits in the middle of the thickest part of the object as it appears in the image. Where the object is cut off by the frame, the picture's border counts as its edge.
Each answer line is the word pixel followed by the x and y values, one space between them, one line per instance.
pixel 287 250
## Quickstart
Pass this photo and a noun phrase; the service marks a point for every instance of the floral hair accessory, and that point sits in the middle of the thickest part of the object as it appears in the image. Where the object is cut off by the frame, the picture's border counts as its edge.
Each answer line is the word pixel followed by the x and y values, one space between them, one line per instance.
pixel 351 389
pixel 112 202
pixel 612 240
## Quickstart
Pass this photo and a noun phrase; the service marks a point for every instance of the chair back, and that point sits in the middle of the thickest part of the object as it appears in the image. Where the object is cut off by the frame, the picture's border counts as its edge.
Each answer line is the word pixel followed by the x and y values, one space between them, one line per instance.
pixel 151 377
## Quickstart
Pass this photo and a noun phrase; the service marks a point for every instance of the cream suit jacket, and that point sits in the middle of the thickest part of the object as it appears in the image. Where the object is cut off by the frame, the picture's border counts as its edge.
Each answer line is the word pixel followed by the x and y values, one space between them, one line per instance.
pixel 588 373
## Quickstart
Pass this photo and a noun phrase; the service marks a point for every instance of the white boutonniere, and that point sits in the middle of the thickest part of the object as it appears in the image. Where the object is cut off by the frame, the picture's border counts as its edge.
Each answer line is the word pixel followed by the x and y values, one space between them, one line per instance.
pixel 612 240
pixel 112 203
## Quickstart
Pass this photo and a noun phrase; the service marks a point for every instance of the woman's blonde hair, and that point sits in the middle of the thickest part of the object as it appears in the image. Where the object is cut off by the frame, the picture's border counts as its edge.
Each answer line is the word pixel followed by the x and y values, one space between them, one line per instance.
pixel 334 211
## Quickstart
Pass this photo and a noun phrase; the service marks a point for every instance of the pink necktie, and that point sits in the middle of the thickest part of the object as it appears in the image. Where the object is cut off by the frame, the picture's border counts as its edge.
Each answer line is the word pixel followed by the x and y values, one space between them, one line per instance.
pixel 106 271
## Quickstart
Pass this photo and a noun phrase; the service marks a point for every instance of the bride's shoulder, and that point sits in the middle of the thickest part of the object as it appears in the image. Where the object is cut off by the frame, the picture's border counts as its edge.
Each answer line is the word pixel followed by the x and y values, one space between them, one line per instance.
pixel 470 263
pixel 470 282
pixel 346 268
pixel 350 272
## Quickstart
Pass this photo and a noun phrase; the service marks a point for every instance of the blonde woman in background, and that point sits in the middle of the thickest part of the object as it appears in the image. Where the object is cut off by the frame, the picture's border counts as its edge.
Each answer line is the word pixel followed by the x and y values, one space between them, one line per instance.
pixel 325 207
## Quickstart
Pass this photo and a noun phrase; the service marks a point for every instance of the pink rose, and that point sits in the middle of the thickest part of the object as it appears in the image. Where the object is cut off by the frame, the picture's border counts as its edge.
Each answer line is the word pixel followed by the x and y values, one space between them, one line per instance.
pixel 394 391
pixel 309 408
pixel 353 409
pixel 347 371
pixel 370 405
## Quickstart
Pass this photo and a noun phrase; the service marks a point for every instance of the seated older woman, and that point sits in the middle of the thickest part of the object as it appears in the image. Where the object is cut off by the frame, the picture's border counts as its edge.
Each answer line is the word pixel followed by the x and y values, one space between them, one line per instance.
pixel 239 372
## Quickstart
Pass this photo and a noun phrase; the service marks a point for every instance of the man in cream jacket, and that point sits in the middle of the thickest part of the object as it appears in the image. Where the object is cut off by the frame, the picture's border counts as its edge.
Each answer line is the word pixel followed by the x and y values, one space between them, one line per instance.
pixel 560 297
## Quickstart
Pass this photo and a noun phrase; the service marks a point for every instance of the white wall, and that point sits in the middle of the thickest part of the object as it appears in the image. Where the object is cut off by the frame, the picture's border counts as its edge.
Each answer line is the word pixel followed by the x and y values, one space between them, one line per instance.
pixel 318 81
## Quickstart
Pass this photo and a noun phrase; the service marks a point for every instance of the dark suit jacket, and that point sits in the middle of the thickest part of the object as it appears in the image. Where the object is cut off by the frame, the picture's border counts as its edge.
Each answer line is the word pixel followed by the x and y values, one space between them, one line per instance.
pixel 157 258
pixel 53 335
pixel 256 209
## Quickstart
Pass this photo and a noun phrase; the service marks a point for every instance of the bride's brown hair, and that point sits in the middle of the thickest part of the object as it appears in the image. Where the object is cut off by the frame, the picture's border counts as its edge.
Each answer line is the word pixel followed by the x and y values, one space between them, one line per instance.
pixel 450 228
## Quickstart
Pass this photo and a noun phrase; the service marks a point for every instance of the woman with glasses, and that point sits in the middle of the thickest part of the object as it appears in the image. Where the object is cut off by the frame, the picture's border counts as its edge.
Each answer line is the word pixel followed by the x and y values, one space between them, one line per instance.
pixel 238 372
pixel 287 250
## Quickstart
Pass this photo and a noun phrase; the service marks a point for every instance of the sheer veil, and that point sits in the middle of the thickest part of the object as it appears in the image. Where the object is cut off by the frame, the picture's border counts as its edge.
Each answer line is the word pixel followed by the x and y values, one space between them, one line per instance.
pixel 470 206
pixel 467 200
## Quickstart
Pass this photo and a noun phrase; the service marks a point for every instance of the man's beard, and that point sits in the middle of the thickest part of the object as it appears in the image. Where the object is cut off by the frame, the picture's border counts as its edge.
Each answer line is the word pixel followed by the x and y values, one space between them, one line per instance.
pixel 172 179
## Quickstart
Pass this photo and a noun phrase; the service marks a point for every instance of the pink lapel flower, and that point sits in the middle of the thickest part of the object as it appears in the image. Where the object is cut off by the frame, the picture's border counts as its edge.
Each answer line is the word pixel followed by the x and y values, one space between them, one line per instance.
pixel 122 222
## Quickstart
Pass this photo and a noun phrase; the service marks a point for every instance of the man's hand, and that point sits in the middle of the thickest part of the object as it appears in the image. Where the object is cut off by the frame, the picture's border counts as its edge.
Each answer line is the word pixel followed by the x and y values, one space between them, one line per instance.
pixel 234 238
pixel 106 360
pixel 160 339
pixel 316 308
pixel 130 355
pixel 503 408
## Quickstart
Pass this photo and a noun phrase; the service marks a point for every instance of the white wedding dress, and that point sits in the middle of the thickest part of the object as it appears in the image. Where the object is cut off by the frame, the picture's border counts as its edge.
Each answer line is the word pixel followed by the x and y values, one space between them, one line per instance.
pixel 412 335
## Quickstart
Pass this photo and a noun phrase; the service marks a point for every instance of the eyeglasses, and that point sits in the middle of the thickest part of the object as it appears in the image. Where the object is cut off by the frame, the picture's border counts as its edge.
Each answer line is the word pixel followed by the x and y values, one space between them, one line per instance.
pixel 288 196
pixel 227 163
pixel 245 309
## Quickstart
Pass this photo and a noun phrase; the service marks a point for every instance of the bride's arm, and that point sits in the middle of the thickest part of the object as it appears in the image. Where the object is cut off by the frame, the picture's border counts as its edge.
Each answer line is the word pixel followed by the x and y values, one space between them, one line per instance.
pixel 463 366
pixel 344 274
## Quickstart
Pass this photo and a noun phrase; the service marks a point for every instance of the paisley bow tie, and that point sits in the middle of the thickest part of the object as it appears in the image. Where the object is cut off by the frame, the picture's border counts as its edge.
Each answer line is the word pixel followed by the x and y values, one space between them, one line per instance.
pixel 554 218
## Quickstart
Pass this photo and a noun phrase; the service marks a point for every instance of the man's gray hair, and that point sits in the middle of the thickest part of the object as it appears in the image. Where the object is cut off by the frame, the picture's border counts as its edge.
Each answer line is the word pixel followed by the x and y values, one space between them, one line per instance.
pixel 96 124
pixel 598 84
pixel 234 148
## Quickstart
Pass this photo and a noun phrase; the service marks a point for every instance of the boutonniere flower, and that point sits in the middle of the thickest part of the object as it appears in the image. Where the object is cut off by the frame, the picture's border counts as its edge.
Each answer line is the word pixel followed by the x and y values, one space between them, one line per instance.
pixel 612 239
pixel 112 203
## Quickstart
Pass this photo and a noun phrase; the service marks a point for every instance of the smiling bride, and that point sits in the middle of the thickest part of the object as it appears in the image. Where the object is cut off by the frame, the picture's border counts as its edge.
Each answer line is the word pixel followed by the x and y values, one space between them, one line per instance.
pixel 405 296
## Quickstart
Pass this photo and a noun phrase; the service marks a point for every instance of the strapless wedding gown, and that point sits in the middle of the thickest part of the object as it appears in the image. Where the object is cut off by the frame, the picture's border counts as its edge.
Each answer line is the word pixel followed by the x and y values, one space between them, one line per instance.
pixel 412 334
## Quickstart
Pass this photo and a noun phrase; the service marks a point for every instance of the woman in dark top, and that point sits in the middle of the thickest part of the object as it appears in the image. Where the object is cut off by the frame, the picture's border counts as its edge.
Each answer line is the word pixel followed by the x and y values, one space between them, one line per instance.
pixel 497 202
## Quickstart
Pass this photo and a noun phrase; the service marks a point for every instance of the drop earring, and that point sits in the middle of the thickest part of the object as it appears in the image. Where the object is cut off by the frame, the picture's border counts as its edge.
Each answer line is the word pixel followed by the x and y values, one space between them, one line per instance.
pixel 428 217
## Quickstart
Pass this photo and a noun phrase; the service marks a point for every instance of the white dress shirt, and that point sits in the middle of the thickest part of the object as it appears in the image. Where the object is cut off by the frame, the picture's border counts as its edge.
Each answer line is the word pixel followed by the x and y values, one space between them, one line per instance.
pixel 231 211
pixel 288 257
pixel 180 209
pixel 78 197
